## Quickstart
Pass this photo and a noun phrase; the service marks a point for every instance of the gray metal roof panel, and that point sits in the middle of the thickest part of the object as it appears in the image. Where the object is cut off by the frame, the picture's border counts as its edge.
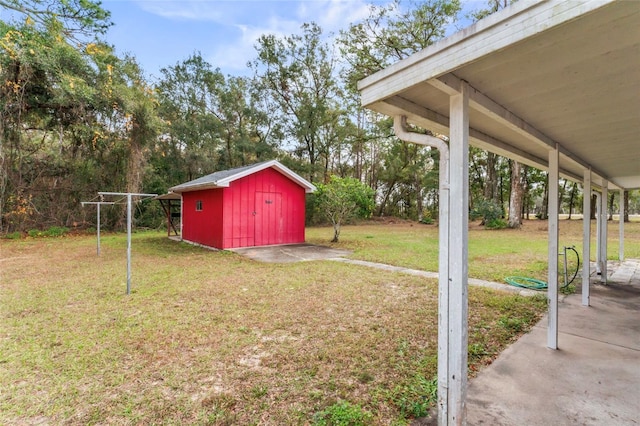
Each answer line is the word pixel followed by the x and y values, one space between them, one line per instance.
pixel 212 179
pixel 224 177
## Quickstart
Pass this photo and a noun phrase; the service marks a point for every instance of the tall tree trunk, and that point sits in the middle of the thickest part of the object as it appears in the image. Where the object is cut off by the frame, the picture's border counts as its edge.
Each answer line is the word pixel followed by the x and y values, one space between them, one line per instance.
pixel 385 199
pixel 544 213
pixel 491 185
pixel 611 197
pixel 594 202
pixel 527 194
pixel 572 197
pixel 517 196
pixel 501 193
pixel 626 206
pixel 561 193
pixel 419 195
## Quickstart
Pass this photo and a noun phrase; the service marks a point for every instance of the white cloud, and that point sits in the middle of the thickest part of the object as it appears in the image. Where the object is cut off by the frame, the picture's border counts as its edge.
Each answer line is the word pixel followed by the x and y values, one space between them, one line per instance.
pixel 237 50
pixel 184 10
pixel 281 20
pixel 237 25
pixel 333 15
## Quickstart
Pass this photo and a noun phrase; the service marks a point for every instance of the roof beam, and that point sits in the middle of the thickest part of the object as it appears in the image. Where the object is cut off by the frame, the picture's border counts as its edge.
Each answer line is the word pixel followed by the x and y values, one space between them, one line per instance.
pixel 451 84
pixel 439 123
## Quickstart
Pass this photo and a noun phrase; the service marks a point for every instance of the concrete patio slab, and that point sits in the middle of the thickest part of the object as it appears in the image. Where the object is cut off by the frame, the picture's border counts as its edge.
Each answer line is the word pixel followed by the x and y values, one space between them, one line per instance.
pixel 592 379
pixel 290 253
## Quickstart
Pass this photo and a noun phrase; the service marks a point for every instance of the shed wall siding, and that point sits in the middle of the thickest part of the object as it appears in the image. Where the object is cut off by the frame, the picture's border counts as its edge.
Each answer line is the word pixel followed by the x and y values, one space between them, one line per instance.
pixel 205 226
pixel 251 221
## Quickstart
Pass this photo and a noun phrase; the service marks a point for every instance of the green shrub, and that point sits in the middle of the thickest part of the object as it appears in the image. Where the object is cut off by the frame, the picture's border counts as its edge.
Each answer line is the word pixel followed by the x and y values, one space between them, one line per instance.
pixel 343 199
pixel 490 212
pixel 56 231
pixel 496 224
pixel 427 219
pixel 14 235
pixel 34 233
pixel 342 414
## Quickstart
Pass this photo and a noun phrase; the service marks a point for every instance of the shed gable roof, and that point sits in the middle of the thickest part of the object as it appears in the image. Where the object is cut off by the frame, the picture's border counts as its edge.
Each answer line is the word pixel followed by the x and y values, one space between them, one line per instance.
pixel 223 178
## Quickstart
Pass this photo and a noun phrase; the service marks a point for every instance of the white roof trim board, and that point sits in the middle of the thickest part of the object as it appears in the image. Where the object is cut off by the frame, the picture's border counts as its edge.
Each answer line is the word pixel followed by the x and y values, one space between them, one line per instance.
pixel 540 73
pixel 223 179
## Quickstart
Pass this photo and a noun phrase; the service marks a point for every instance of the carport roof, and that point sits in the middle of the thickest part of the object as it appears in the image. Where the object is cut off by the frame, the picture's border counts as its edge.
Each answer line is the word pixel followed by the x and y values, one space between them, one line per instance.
pixel 539 73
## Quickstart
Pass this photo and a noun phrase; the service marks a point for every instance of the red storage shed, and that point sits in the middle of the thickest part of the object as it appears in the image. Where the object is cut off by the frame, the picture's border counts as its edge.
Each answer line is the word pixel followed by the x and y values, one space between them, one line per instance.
pixel 256 205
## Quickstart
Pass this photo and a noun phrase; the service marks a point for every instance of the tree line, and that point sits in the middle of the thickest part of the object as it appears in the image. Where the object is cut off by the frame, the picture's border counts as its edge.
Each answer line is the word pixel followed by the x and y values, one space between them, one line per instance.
pixel 77 118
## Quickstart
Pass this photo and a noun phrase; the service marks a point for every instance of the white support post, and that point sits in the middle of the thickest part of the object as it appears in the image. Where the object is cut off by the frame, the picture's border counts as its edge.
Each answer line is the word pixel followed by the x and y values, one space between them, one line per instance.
pixel 621 225
pixel 586 236
pixel 458 258
pixel 552 290
pixel 603 232
pixel 598 226
pixel 443 302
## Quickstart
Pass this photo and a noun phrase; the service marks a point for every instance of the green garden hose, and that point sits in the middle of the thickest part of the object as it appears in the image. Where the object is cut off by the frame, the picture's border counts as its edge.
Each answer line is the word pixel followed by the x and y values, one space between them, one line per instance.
pixel 526 282
pixel 533 284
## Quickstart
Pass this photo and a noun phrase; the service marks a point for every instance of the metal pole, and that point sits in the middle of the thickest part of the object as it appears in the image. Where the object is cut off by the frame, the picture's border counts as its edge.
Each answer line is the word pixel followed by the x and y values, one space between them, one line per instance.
pixel 98 230
pixel 399 126
pixel 128 243
pixel 566 276
pixel 129 196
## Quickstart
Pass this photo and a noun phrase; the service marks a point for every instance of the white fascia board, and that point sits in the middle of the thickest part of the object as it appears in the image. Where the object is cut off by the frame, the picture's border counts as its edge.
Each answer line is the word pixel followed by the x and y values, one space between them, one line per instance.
pixel 308 187
pixel 496 32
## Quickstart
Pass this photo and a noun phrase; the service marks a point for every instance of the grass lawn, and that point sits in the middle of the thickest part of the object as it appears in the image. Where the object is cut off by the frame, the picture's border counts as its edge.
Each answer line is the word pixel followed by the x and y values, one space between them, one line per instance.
pixel 493 254
pixel 210 337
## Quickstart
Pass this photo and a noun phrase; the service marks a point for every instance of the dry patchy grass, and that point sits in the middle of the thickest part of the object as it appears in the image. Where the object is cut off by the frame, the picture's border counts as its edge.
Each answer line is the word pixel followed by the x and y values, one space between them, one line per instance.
pixel 213 338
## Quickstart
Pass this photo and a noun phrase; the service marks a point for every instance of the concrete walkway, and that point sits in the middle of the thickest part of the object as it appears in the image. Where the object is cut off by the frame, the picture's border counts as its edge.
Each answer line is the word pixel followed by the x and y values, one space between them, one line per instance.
pixel 306 252
pixel 426 274
pixel 592 379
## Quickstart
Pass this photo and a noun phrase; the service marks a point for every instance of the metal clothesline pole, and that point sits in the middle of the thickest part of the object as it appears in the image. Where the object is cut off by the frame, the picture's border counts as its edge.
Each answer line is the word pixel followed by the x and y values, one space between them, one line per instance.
pixel 97 204
pixel 129 196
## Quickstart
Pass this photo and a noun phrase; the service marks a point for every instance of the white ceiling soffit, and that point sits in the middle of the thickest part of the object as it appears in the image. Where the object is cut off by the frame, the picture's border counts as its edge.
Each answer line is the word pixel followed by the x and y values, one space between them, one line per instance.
pixel 540 73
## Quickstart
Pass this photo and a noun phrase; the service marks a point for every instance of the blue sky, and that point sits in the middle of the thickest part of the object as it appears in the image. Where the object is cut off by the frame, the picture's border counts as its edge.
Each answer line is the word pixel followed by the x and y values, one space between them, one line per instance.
pixel 160 33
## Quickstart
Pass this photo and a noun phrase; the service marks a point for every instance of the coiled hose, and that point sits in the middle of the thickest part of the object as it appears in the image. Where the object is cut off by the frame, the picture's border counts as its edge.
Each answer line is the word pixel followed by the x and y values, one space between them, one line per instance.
pixel 534 284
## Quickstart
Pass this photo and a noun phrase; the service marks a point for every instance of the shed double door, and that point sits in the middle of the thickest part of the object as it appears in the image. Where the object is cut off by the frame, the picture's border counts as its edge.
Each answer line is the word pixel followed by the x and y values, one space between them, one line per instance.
pixel 269 221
